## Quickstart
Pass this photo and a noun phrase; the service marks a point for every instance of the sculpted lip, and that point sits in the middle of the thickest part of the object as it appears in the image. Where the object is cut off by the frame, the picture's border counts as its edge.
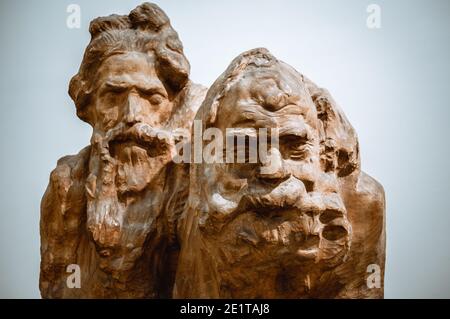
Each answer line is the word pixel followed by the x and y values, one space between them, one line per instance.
pixel 310 253
pixel 123 148
pixel 153 149
pixel 292 231
pixel 119 144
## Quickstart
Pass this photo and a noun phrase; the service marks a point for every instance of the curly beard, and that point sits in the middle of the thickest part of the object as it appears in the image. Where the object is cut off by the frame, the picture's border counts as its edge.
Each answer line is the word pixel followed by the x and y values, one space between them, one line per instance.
pixel 123 163
pixel 305 226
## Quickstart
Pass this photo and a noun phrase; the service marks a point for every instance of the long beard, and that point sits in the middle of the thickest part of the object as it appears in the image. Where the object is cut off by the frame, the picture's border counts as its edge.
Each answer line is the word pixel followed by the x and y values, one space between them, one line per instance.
pixel 314 225
pixel 123 164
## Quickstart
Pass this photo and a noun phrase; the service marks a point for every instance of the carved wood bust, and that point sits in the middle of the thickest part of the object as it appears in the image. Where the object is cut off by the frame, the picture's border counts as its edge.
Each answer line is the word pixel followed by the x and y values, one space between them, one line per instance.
pixel 287 212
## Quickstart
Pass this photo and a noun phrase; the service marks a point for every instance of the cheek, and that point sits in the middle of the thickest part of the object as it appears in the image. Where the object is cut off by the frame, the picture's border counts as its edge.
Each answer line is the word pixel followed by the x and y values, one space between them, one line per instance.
pixel 109 117
pixel 246 171
pixel 230 185
pixel 160 113
pixel 108 111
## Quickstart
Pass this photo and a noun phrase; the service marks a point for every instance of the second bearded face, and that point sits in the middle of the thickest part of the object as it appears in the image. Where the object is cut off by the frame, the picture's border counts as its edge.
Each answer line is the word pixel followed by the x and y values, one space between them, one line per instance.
pixel 291 214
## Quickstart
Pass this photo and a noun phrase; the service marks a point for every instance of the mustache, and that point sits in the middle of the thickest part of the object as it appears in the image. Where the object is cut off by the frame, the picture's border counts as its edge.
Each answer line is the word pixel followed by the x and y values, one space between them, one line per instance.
pixel 292 196
pixel 155 140
pixel 139 131
pixel 287 195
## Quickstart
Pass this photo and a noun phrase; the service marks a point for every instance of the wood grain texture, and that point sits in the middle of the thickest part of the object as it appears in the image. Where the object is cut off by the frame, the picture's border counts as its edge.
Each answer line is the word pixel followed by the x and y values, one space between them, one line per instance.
pixel 312 227
pixel 301 221
pixel 108 208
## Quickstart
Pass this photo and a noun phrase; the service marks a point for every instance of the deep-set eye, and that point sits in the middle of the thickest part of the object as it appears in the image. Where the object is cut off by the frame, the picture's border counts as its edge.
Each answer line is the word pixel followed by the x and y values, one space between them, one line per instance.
pixel 113 90
pixel 117 89
pixel 294 147
pixel 329 215
pixel 333 232
pixel 156 99
pixel 243 151
pixel 298 146
pixel 243 154
pixel 240 153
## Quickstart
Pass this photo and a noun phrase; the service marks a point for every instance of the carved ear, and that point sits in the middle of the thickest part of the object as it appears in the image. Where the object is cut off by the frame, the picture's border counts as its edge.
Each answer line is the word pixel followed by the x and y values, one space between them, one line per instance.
pixel 174 67
pixel 213 112
pixel 339 142
pixel 80 95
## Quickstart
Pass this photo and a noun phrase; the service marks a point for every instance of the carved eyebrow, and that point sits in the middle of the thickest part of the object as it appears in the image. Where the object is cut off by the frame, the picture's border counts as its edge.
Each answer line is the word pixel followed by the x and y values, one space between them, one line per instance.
pixel 276 103
pixel 293 129
pixel 145 89
pixel 114 84
pixel 244 122
pixel 152 90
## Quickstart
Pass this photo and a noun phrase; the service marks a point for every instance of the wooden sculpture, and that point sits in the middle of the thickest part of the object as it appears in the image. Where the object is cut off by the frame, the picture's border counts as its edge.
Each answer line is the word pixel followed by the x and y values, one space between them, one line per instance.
pixel 286 212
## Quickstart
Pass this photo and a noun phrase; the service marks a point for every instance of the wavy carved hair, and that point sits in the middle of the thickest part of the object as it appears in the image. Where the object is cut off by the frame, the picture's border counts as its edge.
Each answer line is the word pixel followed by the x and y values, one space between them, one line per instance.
pixel 146 29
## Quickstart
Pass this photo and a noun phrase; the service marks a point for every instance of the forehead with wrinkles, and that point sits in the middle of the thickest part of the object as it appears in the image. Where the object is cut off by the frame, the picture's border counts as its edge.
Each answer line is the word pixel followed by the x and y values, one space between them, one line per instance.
pixel 129 69
pixel 265 97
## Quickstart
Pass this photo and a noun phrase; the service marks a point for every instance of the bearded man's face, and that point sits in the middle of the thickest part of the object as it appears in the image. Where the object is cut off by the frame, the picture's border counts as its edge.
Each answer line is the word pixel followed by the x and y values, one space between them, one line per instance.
pixel 128 90
pixel 129 109
pixel 292 215
pixel 131 104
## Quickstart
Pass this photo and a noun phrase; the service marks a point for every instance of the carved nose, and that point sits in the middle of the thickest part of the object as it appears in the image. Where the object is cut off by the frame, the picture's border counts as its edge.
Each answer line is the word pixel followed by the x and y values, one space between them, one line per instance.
pixel 313 226
pixel 272 169
pixel 133 109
